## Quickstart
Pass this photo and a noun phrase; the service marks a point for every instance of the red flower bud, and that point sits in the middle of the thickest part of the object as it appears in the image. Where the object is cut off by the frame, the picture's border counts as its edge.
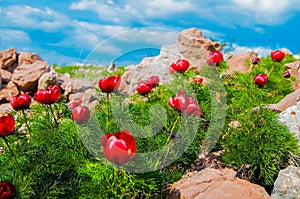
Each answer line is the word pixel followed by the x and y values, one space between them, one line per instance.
pixel 110 84
pixel 180 66
pixel 74 104
pixel 260 80
pixel 20 102
pixel 255 60
pixel 286 74
pixel 7 125
pixel 81 114
pixel 277 55
pixel 49 96
pixel 7 190
pixel 214 58
pixel 198 80
pixel 144 87
pixel 118 148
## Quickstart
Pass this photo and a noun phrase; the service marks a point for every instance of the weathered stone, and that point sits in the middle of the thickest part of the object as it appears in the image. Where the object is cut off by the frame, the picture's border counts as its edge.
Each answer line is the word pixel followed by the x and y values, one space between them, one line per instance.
pixel 8 91
pixel 27 58
pixel 291 117
pixel 240 62
pixel 26 76
pixel 294 68
pixel 286 51
pixel 87 97
pixel 48 79
pixel 65 82
pixel 288 101
pixel 212 183
pixel 5 75
pixel 8 58
pixel 287 184
pixel 112 67
pixel 4 109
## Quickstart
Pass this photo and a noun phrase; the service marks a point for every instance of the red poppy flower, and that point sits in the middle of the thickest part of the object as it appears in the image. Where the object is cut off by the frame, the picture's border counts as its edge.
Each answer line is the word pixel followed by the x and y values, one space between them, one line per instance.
pixel 277 55
pixel 180 66
pixel 144 87
pixel 81 114
pixel 255 60
pixel 7 125
pixel 198 80
pixel 214 58
pixel 20 102
pixel 118 148
pixel 260 80
pixel 7 190
pixel 154 80
pixel 110 84
pixel 49 96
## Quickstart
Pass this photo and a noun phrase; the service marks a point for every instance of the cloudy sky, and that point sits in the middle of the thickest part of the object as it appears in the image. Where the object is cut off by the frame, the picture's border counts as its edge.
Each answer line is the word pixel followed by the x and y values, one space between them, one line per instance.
pixel 68 32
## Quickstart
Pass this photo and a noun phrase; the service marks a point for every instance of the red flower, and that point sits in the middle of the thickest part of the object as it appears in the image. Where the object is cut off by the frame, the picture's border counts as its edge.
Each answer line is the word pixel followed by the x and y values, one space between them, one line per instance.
pixel 49 96
pixel 144 87
pixel 286 74
pixel 186 105
pixel 255 60
pixel 74 104
pixel 180 66
pixel 277 55
pixel 81 114
pixel 7 190
pixel 20 102
pixel 171 69
pixel 214 58
pixel 7 125
pixel 198 80
pixel 118 148
pixel 110 84
pixel 260 80
pixel 154 80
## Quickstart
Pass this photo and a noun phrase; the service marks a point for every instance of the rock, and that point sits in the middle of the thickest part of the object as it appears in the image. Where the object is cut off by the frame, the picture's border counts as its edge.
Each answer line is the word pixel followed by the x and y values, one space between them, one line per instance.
pixel 26 76
pixel 287 184
pixel 5 75
pixel 291 117
pixel 4 109
pixel 48 79
pixel 8 91
pixel 8 58
pixel 212 183
pixel 207 161
pixel 112 67
pixel 288 101
pixel 191 46
pixel 65 82
pixel 27 58
pixel 294 67
pixel 0 80
pixel 195 48
pixel 87 97
pixel 286 51
pixel 241 62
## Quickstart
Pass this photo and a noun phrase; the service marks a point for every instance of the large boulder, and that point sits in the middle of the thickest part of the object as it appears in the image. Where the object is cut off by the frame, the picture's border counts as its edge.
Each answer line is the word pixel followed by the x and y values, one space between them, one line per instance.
pixel 26 76
pixel 8 58
pixel 27 58
pixel 8 91
pixel 240 62
pixel 288 101
pixel 47 79
pixel 191 45
pixel 287 184
pixel 212 183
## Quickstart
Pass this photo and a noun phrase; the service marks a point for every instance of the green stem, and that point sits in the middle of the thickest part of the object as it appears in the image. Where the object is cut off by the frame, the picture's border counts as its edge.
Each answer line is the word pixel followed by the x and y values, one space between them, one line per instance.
pixel 12 153
pixel 26 121
pixel 273 66
pixel 107 112
pixel 174 124
pixel 52 112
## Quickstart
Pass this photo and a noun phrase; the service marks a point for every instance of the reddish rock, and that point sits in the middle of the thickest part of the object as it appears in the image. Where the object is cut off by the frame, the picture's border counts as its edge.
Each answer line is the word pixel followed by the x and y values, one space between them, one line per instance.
pixel 8 91
pixel 26 76
pixel 288 101
pixel 5 75
pixel 294 69
pixel 212 183
pixel 4 109
pixel 27 58
pixel 240 62
pixel 8 58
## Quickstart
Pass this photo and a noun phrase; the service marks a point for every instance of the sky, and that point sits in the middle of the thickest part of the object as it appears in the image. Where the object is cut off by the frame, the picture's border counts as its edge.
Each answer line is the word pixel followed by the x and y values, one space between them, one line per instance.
pixel 99 31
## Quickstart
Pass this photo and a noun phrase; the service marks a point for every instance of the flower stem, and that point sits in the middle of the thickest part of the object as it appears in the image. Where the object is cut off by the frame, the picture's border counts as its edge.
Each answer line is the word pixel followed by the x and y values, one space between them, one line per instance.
pixel 26 121
pixel 107 112
pixel 273 66
pixel 174 124
pixel 12 153
pixel 52 112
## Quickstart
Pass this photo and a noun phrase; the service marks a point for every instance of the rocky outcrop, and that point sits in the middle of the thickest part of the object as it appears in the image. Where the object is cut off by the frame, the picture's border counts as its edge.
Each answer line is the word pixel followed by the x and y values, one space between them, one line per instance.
pixel 287 184
pixel 288 101
pixel 191 46
pixel 212 183
pixel 47 79
pixel 8 91
pixel 241 62
pixel 26 76
pixel 27 58
pixel 8 59
pixel 294 68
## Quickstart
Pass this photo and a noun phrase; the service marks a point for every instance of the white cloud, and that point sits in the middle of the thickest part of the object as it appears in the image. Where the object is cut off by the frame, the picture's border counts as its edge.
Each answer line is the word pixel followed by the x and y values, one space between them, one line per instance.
pixel 260 50
pixel 13 38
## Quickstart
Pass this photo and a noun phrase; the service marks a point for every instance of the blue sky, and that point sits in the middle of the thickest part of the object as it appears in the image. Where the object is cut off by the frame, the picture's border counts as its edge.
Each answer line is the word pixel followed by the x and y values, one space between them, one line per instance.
pixel 98 31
